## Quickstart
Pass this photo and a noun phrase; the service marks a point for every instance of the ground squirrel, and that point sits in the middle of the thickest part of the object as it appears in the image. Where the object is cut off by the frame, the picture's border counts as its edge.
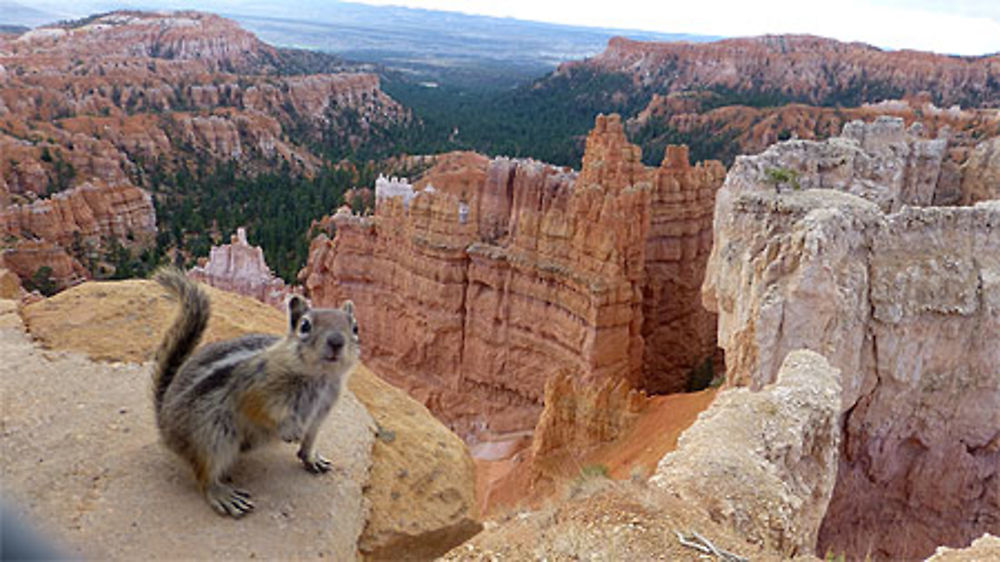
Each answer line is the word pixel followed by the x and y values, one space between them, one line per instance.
pixel 230 396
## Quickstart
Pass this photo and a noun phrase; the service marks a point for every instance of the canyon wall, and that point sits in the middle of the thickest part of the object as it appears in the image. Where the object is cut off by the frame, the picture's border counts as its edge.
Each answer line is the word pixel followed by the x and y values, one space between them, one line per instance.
pixel 88 210
pixel 815 70
pixel 826 246
pixel 42 232
pixel 499 274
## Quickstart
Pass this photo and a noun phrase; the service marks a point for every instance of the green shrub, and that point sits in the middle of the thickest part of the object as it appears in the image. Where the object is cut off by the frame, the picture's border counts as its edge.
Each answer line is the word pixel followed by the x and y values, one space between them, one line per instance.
pixel 783 177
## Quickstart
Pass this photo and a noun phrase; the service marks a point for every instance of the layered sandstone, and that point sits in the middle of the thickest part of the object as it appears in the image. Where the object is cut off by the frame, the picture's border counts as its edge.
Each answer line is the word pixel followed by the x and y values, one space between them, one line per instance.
pixel 182 36
pixel 811 69
pixel 195 79
pixel 88 211
pixel 451 282
pixel 903 299
pixel 238 267
pixel 577 416
pixel 26 258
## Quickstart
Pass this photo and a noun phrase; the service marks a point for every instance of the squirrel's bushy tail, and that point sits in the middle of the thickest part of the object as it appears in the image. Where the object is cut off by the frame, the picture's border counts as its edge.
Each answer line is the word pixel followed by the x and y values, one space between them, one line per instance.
pixel 184 334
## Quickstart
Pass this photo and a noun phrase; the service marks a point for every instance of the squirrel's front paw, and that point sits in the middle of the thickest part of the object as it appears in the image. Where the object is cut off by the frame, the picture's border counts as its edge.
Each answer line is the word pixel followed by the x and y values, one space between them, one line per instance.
pixel 290 433
pixel 315 463
pixel 228 500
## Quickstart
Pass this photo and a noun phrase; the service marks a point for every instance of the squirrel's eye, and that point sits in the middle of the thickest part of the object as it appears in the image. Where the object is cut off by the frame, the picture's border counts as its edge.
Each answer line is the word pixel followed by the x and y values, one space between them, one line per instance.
pixel 355 329
pixel 305 326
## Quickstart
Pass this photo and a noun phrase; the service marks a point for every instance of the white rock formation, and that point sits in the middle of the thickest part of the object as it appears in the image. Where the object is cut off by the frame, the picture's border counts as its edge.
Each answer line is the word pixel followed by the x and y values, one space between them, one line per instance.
pixel 240 268
pixel 765 461
pixel 905 301
pixel 880 161
pixel 986 547
pixel 393 187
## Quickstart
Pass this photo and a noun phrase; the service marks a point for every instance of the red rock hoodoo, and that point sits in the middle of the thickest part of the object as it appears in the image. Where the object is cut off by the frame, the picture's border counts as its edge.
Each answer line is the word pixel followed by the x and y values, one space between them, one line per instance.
pixel 491 276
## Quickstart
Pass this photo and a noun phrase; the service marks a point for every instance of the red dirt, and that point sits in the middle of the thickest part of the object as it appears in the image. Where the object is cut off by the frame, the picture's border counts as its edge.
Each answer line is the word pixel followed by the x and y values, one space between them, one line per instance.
pixel 507 483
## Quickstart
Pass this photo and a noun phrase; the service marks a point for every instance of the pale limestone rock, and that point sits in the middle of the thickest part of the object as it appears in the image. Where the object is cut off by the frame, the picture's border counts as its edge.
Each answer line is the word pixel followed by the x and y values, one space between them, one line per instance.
pixel 905 304
pixel 981 173
pixel 986 547
pixel 393 187
pixel 765 462
pixel 241 268
pixel 880 161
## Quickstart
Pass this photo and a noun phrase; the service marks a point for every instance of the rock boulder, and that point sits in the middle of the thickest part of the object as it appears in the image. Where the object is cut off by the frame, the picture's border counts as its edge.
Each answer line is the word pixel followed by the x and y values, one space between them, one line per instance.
pixel 765 462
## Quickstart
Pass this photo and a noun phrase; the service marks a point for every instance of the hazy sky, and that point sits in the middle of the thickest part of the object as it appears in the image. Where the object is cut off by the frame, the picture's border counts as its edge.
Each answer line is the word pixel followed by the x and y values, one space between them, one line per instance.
pixel 963 27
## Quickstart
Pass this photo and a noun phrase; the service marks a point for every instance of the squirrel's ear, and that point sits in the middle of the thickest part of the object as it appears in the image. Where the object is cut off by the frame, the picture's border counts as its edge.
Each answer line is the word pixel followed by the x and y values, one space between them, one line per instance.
pixel 297 306
pixel 348 307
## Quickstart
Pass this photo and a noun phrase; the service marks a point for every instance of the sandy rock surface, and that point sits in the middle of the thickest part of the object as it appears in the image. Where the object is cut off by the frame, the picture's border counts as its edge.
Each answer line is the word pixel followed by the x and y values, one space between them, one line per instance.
pixel 10 285
pixel 422 486
pixel 600 519
pixel 83 463
pixel 408 483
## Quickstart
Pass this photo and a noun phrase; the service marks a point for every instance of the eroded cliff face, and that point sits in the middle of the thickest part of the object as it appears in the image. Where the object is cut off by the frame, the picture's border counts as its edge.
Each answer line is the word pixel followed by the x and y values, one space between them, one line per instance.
pixel 95 112
pixel 498 274
pixel 40 233
pixel 138 87
pixel 903 299
pixel 89 210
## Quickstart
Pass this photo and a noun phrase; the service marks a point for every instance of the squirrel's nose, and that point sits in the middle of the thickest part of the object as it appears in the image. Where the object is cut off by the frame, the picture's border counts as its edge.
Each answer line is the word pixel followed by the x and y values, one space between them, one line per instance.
pixel 335 341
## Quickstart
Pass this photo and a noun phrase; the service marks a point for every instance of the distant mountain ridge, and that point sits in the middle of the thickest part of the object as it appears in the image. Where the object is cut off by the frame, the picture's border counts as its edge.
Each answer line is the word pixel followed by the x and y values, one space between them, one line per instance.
pixel 802 68
pixel 431 44
pixel 663 90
